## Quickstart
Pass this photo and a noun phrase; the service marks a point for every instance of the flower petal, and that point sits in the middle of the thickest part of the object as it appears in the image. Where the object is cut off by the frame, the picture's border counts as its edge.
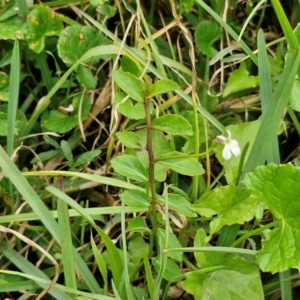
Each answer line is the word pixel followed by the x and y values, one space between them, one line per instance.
pixel 226 152
pixel 220 139
pixel 235 148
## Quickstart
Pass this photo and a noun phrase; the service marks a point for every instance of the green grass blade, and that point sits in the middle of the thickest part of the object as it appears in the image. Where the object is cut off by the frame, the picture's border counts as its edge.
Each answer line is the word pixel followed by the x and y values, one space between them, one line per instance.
pixel 59 286
pixel 285 25
pixel 265 94
pixel 149 276
pixel 286 285
pixel 42 213
pixel 267 132
pixel 115 259
pixel 229 30
pixel 41 60
pixel 86 274
pixel 228 235
pixel 251 16
pixel 265 83
pixel 101 265
pixel 28 268
pixel 95 211
pixel 66 238
pixel 13 102
pixel 96 178
pixel 129 292
pixel 16 286
pixel 28 193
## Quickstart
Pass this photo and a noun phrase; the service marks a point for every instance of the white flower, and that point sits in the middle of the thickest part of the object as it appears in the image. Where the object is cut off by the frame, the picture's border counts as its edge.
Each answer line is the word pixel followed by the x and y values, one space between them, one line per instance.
pixel 231 146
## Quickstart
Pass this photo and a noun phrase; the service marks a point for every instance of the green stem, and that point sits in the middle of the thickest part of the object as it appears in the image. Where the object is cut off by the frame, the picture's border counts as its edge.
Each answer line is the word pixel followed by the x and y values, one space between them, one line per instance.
pixel 254 232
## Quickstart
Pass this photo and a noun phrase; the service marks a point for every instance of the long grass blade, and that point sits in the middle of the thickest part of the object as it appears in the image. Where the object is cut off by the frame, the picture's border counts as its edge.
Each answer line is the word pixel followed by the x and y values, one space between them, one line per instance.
pixel 37 205
pixel 267 132
pixel 66 238
pixel 13 102
pixel 28 268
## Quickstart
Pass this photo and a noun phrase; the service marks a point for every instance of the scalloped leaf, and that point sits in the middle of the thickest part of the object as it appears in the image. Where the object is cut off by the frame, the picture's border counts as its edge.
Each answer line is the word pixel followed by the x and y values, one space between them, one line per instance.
pixel 278 187
pixel 231 204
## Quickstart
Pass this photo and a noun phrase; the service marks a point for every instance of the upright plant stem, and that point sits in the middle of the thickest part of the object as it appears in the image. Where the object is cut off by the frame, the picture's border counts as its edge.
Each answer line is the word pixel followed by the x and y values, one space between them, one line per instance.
pixel 151 175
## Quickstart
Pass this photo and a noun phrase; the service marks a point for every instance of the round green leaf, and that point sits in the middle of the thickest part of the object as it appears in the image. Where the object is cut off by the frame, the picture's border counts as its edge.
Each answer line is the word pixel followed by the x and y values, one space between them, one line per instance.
pixel 278 187
pixel 42 22
pixel 76 40
pixel 207 32
pixel 14 28
pixel 59 122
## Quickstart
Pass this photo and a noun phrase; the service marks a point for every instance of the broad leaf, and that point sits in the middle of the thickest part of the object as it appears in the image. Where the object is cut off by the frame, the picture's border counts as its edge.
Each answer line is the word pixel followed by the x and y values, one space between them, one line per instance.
pixel 137 224
pixel 178 204
pixel 66 149
pixel 179 163
pixel 129 64
pixel 76 40
pixel 136 247
pixel 86 78
pixel 278 187
pixel 240 80
pixel 172 268
pixel 173 242
pixel 42 22
pixel 4 124
pixel 59 122
pixel 131 85
pixel 173 124
pixel 128 107
pixel 231 204
pixel 14 28
pixel 135 198
pixel 129 139
pixel 86 158
pixel 236 278
pixel 207 32
pixel 129 166
pixel 163 86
